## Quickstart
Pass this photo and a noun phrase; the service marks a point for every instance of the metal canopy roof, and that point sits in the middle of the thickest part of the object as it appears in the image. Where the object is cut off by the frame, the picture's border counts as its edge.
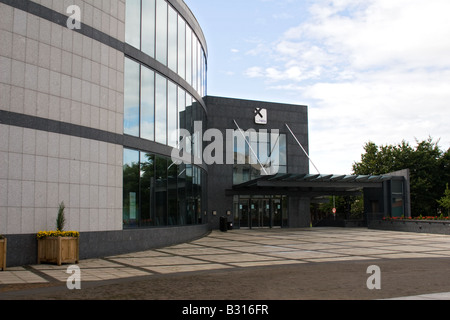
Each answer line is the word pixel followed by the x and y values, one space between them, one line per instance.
pixel 316 184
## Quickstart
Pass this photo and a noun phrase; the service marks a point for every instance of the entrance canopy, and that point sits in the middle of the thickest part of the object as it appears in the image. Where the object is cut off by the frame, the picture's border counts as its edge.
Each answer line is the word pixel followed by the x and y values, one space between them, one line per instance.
pixel 312 185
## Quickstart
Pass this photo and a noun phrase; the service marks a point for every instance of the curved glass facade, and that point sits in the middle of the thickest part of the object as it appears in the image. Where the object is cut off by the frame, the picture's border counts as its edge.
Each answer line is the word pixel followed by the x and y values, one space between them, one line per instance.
pixel 158 192
pixel 158 30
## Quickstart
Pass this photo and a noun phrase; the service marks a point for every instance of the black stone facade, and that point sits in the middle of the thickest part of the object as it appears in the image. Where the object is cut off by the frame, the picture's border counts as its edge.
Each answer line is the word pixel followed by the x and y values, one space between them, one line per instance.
pixel 222 112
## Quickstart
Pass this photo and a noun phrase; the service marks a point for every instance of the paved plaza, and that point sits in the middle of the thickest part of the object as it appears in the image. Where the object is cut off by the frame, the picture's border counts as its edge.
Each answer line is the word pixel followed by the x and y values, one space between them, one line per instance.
pixel 244 250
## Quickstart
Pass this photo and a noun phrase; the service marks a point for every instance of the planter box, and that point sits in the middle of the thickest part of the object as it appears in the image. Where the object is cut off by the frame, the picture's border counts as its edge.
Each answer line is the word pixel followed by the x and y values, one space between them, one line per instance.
pixel 418 226
pixel 58 250
pixel 3 244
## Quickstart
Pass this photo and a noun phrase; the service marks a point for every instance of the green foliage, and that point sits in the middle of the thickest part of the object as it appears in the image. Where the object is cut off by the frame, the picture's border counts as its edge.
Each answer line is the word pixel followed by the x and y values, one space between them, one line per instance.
pixel 61 219
pixel 444 202
pixel 348 207
pixel 429 169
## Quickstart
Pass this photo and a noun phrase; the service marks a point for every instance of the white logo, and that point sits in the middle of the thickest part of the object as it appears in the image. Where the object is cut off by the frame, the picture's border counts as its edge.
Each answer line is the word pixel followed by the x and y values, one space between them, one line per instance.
pixel 260 116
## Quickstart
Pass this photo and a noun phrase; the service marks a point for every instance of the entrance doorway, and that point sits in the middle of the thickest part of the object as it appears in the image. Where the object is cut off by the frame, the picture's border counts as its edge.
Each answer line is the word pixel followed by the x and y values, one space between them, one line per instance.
pixel 260 211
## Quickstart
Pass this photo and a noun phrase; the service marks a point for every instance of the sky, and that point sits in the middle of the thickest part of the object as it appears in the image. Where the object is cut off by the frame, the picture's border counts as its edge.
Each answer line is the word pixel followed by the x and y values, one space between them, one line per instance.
pixel 368 70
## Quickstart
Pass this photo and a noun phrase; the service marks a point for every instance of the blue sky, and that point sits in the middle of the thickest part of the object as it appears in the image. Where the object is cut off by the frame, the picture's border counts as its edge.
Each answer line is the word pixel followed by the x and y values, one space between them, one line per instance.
pixel 369 70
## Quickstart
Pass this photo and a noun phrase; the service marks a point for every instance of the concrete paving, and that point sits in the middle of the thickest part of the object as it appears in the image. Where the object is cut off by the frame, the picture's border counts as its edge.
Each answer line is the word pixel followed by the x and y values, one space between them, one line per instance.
pixel 248 249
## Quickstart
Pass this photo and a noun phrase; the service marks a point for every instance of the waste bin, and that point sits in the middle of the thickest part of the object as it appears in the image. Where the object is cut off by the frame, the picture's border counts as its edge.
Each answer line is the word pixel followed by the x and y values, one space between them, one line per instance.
pixel 223 224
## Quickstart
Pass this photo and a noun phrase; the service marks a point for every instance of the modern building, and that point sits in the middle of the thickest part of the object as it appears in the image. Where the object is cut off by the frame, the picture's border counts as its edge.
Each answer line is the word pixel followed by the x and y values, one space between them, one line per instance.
pixel 91 112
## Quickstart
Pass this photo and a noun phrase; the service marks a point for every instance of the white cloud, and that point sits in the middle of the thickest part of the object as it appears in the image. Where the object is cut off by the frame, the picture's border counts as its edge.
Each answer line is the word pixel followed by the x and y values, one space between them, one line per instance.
pixel 372 70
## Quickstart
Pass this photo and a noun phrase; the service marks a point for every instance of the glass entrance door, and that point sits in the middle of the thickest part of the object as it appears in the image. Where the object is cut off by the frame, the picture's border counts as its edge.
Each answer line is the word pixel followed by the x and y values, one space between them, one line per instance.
pixel 258 212
pixel 243 217
pixel 277 212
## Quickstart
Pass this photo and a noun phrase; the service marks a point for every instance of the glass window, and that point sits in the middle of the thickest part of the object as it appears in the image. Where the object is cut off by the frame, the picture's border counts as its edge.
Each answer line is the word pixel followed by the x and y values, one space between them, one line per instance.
pixel 205 76
pixel 194 62
pixel 188 55
pixel 157 192
pixel 147 187
pixel 188 119
pixel 202 74
pixel 181 47
pixel 161 31
pixel 197 137
pixel 172 174
pixel 161 192
pixel 264 147
pixel 147 104
pixel 131 98
pixel 199 68
pixel 148 27
pixel 181 110
pixel 195 194
pixel 172 114
pixel 397 198
pixel 161 109
pixel 189 196
pixel 182 203
pixel 271 151
pixel 133 23
pixel 172 39
pixel 278 153
pixel 130 187
pixel 283 150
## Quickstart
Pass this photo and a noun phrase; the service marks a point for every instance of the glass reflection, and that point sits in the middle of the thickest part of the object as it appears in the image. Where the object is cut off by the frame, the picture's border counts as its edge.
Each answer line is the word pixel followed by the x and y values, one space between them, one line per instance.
pixel 156 28
pixel 188 55
pixel 161 109
pixel 148 27
pixel 181 111
pixel 188 122
pixel 131 98
pixel 161 31
pixel 172 39
pixel 190 210
pixel 181 47
pixel 159 193
pixel 172 114
pixel 147 104
pixel 147 190
pixel 182 203
pixel 130 187
pixel 271 152
pixel 133 23
pixel 172 174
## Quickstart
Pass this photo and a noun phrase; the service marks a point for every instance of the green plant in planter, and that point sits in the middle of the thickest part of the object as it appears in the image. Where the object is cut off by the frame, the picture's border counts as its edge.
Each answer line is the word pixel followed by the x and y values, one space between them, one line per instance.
pixel 61 219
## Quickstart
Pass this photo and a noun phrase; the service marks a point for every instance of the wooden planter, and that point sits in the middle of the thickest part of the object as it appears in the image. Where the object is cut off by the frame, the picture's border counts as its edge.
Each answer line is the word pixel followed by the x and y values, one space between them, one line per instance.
pixel 58 250
pixel 3 243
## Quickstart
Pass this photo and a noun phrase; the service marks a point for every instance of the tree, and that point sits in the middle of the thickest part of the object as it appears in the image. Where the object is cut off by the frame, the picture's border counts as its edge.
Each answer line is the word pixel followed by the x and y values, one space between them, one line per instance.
pixel 444 202
pixel 429 170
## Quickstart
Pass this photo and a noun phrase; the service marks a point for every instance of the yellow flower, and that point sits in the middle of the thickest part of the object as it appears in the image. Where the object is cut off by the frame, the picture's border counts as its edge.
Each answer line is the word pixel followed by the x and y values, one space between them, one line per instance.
pixel 55 234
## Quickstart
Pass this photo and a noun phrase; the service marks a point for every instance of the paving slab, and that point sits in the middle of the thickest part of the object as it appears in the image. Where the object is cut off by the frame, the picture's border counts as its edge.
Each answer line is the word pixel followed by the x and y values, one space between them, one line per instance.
pixel 252 251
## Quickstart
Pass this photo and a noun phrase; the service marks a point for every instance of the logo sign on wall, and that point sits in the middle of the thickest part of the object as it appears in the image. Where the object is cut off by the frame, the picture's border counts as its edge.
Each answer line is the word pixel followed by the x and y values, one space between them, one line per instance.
pixel 260 116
